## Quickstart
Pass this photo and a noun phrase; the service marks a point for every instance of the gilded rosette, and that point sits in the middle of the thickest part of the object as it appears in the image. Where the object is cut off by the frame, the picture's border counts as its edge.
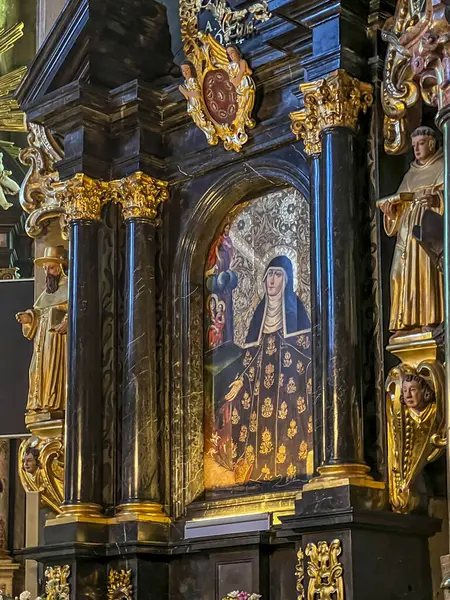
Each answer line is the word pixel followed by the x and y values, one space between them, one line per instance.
pixel 139 195
pixel 335 101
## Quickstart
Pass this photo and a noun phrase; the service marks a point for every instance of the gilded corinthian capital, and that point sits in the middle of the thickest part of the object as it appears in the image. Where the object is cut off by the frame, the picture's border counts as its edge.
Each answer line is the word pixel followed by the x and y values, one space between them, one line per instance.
pixel 82 198
pixel 335 101
pixel 140 195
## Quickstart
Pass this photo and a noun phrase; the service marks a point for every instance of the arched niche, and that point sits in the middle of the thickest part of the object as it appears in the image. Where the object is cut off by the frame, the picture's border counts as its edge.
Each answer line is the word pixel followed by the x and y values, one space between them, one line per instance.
pixel 187 403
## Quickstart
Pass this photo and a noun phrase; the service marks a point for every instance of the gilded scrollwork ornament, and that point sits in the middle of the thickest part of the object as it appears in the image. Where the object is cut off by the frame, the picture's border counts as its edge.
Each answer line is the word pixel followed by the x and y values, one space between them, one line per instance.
pixel 139 195
pixel 219 91
pixel 57 585
pixel 335 101
pixel 416 427
pixel 38 193
pixel 300 574
pixel 119 585
pixel 325 571
pixel 417 67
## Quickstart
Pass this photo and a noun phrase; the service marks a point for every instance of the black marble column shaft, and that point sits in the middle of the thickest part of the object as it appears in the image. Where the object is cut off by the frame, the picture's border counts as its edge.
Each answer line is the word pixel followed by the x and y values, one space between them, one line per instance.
pixel 317 218
pixel 340 327
pixel 83 445
pixel 140 456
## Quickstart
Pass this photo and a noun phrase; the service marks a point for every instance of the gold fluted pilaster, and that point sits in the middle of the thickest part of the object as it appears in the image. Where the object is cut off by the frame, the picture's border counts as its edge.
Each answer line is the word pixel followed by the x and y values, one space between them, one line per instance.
pixel 335 101
pixel 82 197
pixel 139 195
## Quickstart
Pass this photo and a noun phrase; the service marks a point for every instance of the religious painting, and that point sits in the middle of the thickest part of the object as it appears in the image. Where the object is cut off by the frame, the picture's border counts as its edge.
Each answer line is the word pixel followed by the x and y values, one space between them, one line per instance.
pixel 258 421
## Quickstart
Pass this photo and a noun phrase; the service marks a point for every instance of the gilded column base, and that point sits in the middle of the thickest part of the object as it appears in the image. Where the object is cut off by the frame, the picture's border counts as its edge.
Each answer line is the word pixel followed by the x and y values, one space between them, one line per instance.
pixel 142 511
pixel 79 513
pixel 7 569
pixel 332 476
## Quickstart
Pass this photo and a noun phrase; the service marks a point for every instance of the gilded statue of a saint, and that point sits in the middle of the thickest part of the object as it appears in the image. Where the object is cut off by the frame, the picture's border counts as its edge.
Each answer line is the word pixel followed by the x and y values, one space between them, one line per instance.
pixel 416 284
pixel 191 91
pixel 46 324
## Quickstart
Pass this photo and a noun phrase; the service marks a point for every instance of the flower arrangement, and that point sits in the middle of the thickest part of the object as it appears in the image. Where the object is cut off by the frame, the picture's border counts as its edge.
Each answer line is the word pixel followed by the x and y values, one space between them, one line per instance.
pixel 241 596
pixel 23 596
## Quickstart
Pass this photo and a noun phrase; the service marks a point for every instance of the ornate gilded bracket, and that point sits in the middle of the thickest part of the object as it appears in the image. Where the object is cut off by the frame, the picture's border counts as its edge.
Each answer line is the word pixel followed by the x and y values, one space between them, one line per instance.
pixel 41 462
pixel 57 585
pixel 220 92
pixel 325 571
pixel 416 68
pixel 38 195
pixel 415 418
pixel 335 101
pixel 119 585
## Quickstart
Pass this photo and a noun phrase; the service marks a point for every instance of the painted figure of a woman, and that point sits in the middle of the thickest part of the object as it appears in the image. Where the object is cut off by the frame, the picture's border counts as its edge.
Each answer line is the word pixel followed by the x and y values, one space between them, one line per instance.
pixel 263 426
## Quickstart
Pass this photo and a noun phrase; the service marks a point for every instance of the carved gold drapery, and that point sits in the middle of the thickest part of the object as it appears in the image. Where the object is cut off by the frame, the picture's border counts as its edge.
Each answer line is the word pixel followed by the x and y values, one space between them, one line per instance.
pixel 335 101
pixel 139 195
pixel 416 68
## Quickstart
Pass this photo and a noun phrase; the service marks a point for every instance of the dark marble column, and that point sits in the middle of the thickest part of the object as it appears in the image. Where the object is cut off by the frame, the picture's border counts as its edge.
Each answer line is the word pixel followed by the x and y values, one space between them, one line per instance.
pixel 340 322
pixel 327 125
pixel 317 218
pixel 141 460
pixel 83 436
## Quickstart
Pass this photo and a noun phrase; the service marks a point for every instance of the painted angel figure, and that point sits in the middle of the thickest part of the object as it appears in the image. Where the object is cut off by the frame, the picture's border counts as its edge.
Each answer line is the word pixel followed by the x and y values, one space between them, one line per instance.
pixel 191 91
pixel 240 76
pixel 7 185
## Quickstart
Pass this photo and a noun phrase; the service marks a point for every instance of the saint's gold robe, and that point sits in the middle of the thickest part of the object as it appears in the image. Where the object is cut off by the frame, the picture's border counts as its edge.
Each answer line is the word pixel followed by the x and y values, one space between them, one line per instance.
pixel 416 284
pixel 48 365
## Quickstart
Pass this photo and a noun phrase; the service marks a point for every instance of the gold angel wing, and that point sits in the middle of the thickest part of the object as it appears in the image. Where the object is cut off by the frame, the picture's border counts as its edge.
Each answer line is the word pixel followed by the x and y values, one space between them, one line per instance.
pixel 434 373
pixel 214 52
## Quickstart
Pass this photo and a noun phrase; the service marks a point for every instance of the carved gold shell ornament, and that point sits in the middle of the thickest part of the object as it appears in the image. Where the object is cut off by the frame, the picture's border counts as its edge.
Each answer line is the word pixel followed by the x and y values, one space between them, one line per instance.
pixel 219 91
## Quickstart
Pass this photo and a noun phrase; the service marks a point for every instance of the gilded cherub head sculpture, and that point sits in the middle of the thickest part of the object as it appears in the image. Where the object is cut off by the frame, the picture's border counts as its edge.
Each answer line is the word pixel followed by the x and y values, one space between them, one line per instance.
pixel 30 462
pixel 415 393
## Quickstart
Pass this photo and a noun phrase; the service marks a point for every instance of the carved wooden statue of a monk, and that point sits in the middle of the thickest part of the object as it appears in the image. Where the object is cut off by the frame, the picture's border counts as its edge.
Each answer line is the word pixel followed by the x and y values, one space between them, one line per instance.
pixel 416 284
pixel 46 324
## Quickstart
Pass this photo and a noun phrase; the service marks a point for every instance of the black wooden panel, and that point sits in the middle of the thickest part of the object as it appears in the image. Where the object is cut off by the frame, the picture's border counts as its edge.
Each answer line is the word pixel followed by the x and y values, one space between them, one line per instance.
pixel 15 355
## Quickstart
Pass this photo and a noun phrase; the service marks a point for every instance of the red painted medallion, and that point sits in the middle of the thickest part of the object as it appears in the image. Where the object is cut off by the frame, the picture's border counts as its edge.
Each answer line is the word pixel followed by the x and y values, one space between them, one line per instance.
pixel 220 96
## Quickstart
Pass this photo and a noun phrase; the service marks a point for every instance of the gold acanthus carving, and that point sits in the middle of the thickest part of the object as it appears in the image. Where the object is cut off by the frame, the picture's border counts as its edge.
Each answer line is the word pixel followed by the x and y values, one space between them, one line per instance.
pixel 416 68
pixel 82 197
pixel 139 195
pixel 119 585
pixel 416 423
pixel 335 101
pixel 41 462
pixel 57 585
pixel 300 574
pixel 325 571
